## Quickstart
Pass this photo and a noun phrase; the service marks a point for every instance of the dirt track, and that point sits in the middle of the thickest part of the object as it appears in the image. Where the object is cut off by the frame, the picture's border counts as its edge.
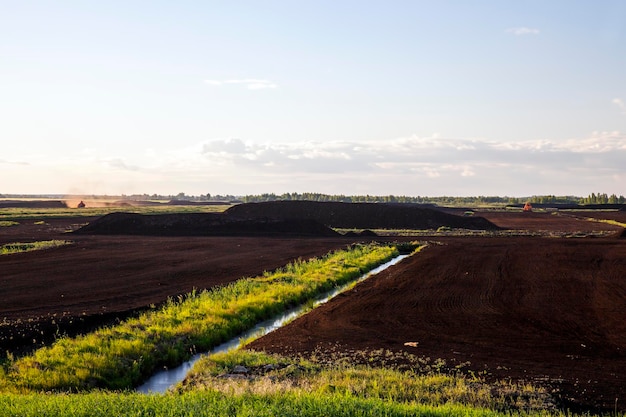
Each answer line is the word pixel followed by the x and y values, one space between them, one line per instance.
pixel 546 310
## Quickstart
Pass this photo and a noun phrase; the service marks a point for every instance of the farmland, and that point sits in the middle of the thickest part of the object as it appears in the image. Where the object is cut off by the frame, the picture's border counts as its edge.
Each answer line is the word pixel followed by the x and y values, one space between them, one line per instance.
pixel 540 304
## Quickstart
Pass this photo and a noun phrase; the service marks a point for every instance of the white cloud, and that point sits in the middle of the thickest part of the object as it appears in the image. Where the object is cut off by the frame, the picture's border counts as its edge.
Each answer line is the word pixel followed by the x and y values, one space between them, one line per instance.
pixel 620 103
pixel 413 165
pixel 250 83
pixel 520 31
pixel 445 156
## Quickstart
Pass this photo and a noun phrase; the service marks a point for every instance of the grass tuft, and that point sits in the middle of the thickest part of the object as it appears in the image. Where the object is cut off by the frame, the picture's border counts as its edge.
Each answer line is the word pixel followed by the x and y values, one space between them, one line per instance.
pixel 18 247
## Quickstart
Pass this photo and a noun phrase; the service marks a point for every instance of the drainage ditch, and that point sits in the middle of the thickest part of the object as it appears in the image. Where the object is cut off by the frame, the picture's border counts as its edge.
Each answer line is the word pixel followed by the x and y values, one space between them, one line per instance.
pixel 163 380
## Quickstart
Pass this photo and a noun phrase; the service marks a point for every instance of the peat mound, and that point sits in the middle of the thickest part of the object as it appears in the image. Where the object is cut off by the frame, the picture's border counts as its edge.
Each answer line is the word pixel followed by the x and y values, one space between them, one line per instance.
pixel 202 224
pixel 361 215
pixel 32 204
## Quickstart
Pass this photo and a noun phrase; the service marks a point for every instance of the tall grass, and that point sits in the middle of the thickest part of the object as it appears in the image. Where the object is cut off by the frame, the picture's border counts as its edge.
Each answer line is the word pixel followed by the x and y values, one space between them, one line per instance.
pixel 281 386
pixel 420 381
pixel 214 404
pixel 122 356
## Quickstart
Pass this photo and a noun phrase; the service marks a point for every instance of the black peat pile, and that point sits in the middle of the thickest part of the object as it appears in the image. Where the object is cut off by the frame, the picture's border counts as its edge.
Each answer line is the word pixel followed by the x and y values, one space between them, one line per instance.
pixel 284 218
pixel 32 204
pixel 202 224
pixel 361 215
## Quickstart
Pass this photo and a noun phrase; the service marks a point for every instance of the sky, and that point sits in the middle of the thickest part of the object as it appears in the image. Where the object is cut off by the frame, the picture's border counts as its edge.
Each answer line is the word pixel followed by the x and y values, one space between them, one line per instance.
pixel 428 98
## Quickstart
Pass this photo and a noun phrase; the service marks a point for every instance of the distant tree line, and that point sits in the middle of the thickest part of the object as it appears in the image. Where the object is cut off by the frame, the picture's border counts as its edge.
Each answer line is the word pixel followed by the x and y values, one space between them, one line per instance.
pixel 593 198
pixel 444 200
pixel 552 199
pixel 599 198
pixel 182 197
pixel 378 199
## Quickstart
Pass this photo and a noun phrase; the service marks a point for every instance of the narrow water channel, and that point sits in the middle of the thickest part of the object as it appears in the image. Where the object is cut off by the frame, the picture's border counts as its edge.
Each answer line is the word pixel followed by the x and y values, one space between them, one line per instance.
pixel 163 380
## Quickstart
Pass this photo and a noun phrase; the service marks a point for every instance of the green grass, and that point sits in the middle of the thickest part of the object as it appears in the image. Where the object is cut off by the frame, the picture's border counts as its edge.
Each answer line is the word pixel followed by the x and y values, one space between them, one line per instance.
pixel 349 375
pixel 18 247
pixel 8 223
pixel 120 357
pixel 607 221
pixel 214 404
pixel 299 387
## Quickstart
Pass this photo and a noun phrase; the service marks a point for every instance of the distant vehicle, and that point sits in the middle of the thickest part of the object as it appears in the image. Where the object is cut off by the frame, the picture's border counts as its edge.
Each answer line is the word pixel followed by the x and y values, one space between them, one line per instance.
pixel 528 207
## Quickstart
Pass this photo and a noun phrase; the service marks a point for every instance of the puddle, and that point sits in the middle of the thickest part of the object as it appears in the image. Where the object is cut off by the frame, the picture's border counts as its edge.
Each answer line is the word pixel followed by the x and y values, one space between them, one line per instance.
pixel 163 380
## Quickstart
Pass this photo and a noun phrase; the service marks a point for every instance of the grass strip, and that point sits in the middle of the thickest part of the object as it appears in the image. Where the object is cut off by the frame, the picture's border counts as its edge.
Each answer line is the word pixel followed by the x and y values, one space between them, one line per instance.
pixel 122 356
pixel 8 223
pixel 297 387
pixel 18 247
pixel 214 404
pixel 607 221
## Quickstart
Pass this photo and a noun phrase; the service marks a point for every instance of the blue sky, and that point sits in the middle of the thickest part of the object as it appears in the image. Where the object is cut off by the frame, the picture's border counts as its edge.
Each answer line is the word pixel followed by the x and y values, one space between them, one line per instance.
pixel 352 97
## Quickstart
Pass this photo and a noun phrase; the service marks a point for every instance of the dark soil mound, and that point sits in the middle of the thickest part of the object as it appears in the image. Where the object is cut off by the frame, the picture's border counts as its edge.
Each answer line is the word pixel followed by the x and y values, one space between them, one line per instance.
pixel 361 215
pixel 32 204
pixel 201 224
pixel 622 234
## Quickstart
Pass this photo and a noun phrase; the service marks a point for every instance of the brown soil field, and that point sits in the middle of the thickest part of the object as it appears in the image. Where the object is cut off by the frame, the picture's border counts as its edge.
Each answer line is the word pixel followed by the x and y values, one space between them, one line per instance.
pixel 564 221
pixel 100 279
pixel 549 311
pixel 123 263
pixel 545 310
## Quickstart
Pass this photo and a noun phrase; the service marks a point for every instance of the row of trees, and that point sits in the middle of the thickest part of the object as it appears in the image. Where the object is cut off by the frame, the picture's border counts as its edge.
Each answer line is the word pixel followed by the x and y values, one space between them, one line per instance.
pixel 593 198
pixel 553 199
pixel 599 198
pixel 376 199
pixel 444 200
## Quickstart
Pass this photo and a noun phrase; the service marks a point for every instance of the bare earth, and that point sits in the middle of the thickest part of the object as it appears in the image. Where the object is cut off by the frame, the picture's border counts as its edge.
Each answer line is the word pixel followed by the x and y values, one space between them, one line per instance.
pixel 551 311
pixel 546 310
pixel 99 279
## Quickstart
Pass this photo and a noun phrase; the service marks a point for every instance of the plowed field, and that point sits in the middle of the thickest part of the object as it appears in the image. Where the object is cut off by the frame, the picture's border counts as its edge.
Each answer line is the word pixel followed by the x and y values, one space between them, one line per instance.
pixel 100 279
pixel 551 311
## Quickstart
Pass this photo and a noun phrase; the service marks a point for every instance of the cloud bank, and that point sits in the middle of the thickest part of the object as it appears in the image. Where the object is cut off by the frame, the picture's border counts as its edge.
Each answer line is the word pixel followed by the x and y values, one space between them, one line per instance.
pixel 412 165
